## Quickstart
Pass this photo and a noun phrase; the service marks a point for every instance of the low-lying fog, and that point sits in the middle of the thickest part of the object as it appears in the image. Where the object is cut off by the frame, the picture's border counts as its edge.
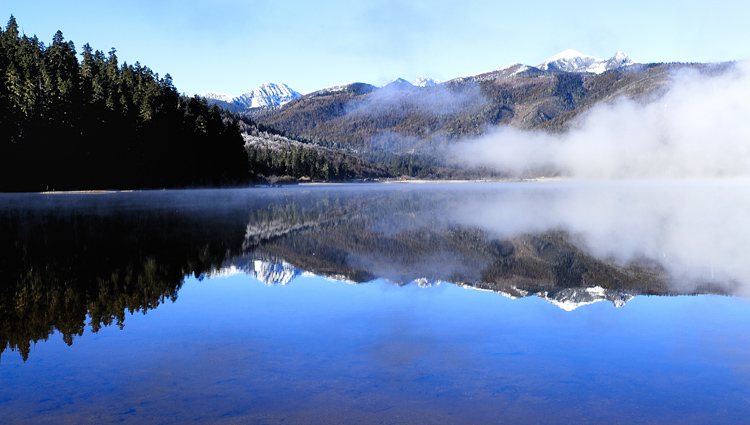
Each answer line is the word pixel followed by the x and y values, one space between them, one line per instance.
pixel 698 129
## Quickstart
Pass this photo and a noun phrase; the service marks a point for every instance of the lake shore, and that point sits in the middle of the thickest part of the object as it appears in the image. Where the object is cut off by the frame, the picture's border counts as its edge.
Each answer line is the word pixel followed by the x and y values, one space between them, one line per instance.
pixel 322 183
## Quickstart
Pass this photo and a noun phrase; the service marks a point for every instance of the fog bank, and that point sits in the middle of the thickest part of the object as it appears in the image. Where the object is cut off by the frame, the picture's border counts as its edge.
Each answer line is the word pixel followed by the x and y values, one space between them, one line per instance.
pixel 699 129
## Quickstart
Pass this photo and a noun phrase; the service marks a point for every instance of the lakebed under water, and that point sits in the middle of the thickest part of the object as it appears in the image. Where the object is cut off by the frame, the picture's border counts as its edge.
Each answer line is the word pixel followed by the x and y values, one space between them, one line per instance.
pixel 443 303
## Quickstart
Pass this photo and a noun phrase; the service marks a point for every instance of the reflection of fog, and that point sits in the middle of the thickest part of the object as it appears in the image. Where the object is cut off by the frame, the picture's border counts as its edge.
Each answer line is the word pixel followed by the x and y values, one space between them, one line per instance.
pixel 698 230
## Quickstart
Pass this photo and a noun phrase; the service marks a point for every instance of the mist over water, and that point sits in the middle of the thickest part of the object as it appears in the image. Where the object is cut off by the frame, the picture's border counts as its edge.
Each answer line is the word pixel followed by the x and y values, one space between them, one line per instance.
pixel 686 156
pixel 698 230
pixel 698 129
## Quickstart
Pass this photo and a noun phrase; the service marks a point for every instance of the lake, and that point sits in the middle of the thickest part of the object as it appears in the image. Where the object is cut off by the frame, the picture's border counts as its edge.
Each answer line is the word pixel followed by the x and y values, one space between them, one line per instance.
pixel 547 302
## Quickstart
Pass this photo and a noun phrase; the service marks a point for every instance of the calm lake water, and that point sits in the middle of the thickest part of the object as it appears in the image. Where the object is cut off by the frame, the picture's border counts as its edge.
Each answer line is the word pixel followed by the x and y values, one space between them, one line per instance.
pixel 552 302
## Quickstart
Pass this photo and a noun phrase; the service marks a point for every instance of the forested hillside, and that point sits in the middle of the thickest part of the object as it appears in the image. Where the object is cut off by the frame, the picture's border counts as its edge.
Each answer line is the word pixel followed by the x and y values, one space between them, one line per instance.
pixel 277 158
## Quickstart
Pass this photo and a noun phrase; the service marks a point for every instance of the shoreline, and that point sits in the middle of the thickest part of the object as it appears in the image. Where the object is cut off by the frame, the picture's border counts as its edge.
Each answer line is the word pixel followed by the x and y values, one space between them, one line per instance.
pixel 334 183
pixel 84 192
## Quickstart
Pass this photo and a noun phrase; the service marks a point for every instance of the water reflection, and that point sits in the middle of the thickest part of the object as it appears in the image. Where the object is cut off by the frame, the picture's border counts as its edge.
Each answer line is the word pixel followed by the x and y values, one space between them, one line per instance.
pixel 698 231
pixel 66 260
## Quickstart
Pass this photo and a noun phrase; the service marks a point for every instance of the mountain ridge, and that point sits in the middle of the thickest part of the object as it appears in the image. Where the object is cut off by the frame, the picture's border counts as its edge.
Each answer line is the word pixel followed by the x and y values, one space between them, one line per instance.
pixel 573 61
pixel 278 94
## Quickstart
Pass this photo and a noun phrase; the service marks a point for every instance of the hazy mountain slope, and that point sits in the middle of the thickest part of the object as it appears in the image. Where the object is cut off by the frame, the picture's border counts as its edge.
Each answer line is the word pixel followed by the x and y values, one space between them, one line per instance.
pixel 516 95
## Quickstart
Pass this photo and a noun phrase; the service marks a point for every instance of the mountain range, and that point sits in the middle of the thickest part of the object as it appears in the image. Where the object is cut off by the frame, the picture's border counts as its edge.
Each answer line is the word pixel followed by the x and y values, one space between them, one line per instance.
pixel 573 61
pixel 278 94
pixel 406 127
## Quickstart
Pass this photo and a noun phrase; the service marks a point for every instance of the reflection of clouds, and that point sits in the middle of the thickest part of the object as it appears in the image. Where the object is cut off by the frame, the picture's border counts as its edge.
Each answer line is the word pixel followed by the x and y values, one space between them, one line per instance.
pixel 698 230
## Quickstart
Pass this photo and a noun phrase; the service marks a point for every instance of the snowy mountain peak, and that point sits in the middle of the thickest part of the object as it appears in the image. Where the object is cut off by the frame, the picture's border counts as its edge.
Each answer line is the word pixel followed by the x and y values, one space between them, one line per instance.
pixel 267 94
pixel 573 61
pixel 620 59
pixel 425 82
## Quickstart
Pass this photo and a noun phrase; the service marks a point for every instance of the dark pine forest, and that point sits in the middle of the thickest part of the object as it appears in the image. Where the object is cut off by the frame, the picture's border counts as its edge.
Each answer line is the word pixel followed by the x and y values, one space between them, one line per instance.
pixel 96 123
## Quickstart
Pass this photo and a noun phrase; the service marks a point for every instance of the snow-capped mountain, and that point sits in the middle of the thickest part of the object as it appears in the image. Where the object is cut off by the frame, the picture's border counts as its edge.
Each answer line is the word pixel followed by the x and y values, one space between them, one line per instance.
pixel 425 82
pixel 573 61
pixel 267 94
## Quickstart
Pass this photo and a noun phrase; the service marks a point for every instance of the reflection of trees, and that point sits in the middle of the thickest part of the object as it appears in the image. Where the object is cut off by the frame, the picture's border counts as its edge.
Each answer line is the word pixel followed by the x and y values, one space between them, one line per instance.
pixel 60 268
pixel 301 213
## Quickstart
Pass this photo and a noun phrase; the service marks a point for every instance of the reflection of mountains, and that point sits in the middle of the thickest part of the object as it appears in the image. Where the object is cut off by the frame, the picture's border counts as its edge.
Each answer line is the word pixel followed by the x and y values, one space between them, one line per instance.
pixel 281 273
pixel 69 259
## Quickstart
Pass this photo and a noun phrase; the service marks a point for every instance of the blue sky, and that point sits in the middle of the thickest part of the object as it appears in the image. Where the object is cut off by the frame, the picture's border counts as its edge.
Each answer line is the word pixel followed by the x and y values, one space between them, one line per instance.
pixel 232 46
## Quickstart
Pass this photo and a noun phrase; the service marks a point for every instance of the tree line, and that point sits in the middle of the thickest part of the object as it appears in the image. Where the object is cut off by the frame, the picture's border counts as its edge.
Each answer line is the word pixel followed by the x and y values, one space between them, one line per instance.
pixel 97 123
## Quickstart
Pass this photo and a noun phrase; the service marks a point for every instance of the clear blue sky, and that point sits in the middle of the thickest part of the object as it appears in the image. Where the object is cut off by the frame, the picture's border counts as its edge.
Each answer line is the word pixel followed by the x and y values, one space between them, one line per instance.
pixel 232 46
